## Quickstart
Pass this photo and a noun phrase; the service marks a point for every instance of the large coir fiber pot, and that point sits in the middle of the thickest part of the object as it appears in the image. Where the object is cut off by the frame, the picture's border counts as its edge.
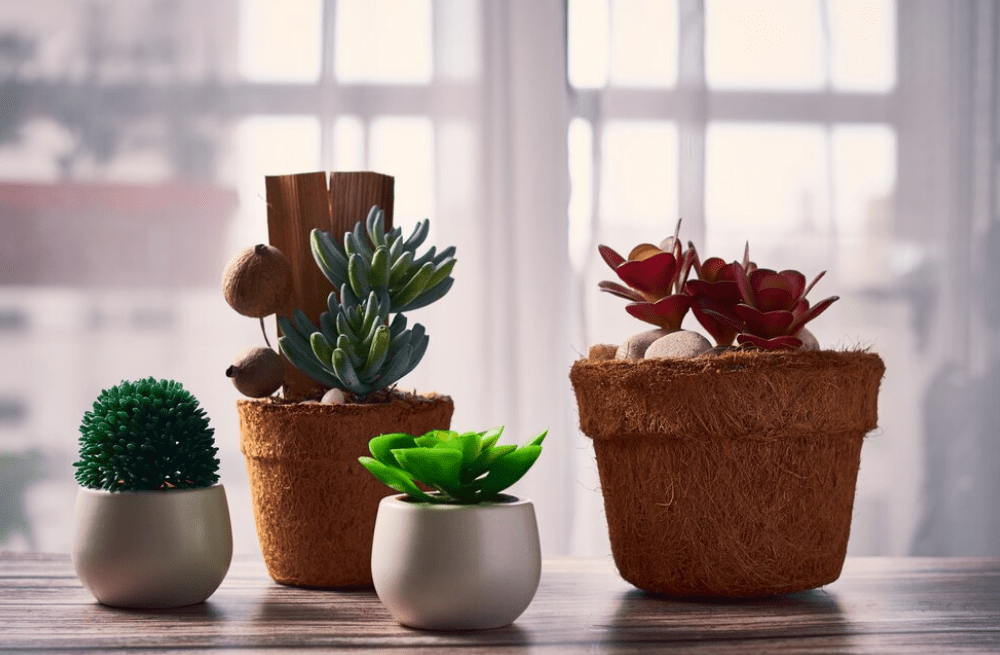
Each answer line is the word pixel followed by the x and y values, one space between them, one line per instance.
pixel 729 475
pixel 314 504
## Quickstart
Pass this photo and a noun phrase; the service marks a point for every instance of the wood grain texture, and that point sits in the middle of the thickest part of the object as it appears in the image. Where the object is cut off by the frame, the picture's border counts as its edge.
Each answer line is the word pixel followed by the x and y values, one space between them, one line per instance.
pixel 880 605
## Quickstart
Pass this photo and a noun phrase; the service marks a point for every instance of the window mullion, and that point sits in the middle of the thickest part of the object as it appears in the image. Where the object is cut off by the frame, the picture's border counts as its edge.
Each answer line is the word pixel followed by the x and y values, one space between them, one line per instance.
pixel 691 117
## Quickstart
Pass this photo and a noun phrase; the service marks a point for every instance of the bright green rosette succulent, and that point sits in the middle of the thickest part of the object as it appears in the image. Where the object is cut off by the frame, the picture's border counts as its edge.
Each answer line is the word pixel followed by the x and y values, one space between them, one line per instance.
pixel 462 469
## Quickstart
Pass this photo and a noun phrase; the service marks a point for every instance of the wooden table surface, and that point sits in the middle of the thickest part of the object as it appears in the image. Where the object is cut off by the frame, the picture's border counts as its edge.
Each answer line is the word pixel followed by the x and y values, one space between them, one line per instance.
pixel 879 605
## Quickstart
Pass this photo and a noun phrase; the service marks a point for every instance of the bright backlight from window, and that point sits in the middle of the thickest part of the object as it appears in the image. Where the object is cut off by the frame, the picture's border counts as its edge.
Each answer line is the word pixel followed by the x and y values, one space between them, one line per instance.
pixel 384 41
pixel 280 40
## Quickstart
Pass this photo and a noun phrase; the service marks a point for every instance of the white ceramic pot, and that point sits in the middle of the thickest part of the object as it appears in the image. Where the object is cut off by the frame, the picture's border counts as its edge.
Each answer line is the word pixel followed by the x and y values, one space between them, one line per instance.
pixel 152 549
pixel 456 567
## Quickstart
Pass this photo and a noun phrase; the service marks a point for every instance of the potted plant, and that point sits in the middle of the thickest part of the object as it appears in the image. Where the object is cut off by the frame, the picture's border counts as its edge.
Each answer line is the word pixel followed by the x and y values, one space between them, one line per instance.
pixel 313 504
pixel 151 525
pixel 727 471
pixel 462 555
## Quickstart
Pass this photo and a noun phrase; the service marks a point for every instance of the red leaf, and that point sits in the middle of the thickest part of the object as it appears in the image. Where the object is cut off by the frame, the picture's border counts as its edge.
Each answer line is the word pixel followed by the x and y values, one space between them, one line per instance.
pixel 611 258
pixel 620 291
pixel 710 269
pixel 765 325
pixel 812 313
pixel 667 313
pixel 651 277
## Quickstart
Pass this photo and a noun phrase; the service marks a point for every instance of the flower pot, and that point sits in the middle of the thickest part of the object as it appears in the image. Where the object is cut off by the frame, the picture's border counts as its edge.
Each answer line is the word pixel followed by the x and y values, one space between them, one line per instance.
pixel 152 549
pixel 456 567
pixel 314 504
pixel 730 475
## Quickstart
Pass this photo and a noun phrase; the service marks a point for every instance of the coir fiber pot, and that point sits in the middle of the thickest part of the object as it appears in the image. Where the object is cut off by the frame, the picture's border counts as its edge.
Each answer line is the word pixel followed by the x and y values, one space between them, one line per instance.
pixel 314 504
pixel 729 475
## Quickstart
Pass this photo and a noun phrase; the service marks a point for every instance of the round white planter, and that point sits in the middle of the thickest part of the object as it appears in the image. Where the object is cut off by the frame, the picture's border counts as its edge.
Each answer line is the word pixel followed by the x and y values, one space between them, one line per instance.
pixel 152 549
pixel 456 567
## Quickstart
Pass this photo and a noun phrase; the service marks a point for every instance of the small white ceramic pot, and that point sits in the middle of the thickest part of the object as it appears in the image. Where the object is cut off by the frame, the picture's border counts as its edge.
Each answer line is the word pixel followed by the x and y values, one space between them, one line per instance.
pixel 152 549
pixel 456 567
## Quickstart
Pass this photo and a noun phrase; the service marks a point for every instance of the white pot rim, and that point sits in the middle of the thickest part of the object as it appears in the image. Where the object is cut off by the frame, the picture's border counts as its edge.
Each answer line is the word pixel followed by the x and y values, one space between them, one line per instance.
pixel 145 492
pixel 404 501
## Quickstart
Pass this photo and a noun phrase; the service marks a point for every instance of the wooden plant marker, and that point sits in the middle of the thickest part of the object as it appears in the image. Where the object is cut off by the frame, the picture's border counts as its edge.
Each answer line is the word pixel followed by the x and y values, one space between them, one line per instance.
pixel 296 204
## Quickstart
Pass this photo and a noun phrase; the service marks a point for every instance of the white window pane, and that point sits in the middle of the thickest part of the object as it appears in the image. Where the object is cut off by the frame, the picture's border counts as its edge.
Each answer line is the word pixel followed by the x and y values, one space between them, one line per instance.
pixel 348 144
pixel 764 183
pixel 765 44
pixel 644 43
pixel 281 40
pixel 863 55
pixel 864 176
pixel 456 39
pixel 581 189
pixel 270 145
pixel 383 41
pixel 587 43
pixel 639 177
pixel 404 148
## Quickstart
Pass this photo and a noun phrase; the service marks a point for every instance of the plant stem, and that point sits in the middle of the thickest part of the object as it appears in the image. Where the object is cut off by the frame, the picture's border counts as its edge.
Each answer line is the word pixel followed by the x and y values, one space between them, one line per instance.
pixel 264 332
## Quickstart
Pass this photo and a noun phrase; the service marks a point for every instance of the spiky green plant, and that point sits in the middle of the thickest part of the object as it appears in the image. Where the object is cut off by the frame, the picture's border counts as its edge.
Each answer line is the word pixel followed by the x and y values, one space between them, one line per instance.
pixel 146 435
pixel 463 469
pixel 377 274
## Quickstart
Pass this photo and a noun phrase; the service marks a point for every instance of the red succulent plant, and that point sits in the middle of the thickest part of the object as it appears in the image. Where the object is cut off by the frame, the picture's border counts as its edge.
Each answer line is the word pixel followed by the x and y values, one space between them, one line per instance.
pixel 772 308
pixel 716 287
pixel 655 277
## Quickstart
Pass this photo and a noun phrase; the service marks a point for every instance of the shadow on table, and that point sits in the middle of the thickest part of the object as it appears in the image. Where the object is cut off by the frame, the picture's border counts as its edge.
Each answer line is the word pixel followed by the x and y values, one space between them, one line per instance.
pixel 642 617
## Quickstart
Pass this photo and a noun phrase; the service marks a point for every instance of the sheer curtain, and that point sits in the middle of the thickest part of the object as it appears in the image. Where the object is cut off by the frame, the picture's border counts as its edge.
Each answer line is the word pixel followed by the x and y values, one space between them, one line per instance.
pixel 859 137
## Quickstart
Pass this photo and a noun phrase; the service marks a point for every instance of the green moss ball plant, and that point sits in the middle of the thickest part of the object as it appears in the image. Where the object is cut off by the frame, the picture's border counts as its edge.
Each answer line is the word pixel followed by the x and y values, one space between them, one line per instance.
pixel 146 435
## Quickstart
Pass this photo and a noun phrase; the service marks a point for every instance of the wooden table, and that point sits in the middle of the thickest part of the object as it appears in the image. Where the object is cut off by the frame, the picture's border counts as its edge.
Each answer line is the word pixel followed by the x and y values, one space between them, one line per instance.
pixel 880 605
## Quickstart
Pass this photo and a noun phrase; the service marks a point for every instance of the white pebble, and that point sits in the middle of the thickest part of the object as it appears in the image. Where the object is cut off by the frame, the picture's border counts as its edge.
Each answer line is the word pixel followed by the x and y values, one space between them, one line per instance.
pixel 334 397
pixel 678 345
pixel 809 341
pixel 635 346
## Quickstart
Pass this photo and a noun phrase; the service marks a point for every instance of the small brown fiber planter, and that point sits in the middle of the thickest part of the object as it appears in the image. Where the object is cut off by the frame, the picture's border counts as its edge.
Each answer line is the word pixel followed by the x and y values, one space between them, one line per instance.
pixel 314 504
pixel 729 475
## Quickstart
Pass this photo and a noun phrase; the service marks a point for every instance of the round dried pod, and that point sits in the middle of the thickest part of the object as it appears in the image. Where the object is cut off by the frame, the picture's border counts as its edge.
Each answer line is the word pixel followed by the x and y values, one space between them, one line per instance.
pixel 257 373
pixel 257 281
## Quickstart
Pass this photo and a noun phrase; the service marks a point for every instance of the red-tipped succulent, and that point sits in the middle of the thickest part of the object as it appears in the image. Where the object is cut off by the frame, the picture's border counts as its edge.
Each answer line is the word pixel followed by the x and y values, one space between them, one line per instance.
pixel 655 277
pixel 716 288
pixel 772 308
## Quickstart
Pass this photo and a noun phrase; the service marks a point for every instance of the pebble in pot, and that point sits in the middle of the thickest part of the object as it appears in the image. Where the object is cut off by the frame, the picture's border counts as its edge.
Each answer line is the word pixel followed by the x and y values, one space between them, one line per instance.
pixel 635 346
pixel 678 345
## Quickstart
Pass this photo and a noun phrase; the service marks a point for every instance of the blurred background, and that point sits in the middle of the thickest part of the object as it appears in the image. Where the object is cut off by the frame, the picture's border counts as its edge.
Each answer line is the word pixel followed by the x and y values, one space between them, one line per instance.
pixel 860 137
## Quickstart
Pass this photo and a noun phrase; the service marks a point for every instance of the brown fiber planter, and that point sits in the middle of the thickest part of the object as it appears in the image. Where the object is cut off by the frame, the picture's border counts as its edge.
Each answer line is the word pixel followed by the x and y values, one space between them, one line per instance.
pixel 314 504
pixel 729 475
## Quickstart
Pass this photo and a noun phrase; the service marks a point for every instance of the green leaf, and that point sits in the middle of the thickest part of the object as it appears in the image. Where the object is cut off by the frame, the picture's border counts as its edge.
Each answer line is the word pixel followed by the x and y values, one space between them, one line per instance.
pixel 381 447
pixel 357 275
pixel 321 347
pixel 508 469
pixel 395 479
pixel 378 275
pixel 490 436
pixel 435 438
pixel 487 457
pixel 537 441
pixel 467 444
pixel 438 468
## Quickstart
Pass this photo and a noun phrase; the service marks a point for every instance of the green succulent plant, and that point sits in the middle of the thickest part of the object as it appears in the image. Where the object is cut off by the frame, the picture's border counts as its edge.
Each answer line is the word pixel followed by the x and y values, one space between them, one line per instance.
pixel 146 435
pixel 463 468
pixel 376 274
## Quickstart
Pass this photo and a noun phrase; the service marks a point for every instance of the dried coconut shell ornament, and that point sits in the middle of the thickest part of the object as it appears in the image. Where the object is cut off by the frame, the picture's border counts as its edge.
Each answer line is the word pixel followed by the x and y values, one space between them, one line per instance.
pixel 257 373
pixel 257 281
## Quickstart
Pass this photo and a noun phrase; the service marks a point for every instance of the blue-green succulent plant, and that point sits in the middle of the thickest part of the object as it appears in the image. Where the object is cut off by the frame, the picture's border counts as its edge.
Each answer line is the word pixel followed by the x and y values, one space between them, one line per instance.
pixel 376 275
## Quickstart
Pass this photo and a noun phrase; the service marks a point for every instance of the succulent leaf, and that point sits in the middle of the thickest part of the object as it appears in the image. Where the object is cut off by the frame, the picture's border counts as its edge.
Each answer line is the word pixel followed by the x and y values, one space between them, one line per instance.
pixel 463 468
